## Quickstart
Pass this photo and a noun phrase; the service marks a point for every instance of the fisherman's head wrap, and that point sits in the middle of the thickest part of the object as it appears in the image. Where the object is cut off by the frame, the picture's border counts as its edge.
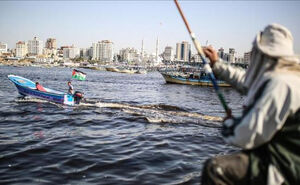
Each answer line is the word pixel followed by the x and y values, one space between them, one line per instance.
pixel 272 52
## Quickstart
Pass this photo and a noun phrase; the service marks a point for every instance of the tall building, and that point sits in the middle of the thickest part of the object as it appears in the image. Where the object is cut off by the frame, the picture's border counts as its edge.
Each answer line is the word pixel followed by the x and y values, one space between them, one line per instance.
pixel 247 57
pixel 142 49
pixel 35 46
pixel 90 52
pixel 183 51
pixel 71 52
pixel 178 51
pixel 21 49
pixel 221 53
pixel 157 49
pixel 84 53
pixel 3 47
pixel 168 54
pixel 51 43
pixel 231 55
pixel 103 51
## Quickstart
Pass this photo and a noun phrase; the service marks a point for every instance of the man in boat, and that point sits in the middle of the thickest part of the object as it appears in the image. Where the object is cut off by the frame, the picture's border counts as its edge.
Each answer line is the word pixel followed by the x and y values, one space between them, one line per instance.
pixel 39 87
pixel 269 129
pixel 71 89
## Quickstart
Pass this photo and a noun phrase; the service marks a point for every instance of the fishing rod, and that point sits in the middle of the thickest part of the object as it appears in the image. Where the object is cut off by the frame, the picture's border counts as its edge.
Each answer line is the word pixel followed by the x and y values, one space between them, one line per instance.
pixel 207 67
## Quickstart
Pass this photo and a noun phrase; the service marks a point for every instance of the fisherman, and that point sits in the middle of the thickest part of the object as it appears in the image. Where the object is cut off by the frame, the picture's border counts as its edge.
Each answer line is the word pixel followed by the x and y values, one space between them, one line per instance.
pixel 39 87
pixel 71 89
pixel 269 129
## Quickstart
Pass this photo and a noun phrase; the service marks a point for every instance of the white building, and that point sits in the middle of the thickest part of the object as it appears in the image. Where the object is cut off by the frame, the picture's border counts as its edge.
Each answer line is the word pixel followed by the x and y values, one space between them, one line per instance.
pixel 21 49
pixel 129 55
pixel 35 46
pixel 196 58
pixel 168 54
pixel 44 60
pixel 103 51
pixel 3 47
pixel 71 52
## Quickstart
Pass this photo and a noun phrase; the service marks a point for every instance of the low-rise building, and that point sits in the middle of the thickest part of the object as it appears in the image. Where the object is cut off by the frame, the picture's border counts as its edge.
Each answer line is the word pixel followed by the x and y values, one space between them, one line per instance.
pixel 3 47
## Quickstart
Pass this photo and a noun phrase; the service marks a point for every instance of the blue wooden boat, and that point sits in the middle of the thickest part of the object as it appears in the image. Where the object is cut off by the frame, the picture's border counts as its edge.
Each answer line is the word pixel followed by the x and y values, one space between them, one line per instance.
pixel 191 79
pixel 28 88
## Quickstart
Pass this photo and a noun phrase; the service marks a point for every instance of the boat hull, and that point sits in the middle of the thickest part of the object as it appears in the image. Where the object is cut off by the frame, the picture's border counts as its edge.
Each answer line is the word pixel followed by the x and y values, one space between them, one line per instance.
pixel 27 88
pixel 112 69
pixel 127 71
pixel 191 81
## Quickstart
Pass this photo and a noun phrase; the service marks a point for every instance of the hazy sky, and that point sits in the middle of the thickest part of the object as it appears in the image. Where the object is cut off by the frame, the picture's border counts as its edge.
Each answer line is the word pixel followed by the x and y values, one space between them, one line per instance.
pixel 223 23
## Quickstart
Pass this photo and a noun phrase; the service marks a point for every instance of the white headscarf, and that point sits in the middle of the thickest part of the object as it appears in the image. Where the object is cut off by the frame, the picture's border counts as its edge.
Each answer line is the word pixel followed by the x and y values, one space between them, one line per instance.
pixel 271 48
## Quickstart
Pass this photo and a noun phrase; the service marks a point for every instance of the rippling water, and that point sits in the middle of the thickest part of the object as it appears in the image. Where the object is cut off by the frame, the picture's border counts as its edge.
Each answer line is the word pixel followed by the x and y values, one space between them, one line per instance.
pixel 133 129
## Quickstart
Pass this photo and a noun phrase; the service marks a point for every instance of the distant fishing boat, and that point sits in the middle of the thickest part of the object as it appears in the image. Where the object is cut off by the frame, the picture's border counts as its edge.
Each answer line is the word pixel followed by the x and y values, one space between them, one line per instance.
pixel 126 70
pixel 28 88
pixel 191 79
pixel 112 69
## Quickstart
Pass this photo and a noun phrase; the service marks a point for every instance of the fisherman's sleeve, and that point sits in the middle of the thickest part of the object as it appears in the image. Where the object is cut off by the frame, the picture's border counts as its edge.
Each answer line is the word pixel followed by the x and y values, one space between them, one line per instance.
pixel 263 119
pixel 235 76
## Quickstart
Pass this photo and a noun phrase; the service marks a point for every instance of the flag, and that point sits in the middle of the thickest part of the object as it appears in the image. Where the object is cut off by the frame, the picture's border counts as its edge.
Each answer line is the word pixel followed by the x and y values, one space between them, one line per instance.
pixel 78 75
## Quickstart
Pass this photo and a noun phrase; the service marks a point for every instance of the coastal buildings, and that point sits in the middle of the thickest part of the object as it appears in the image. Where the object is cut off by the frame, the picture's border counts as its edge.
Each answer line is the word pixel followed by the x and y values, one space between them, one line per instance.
pixel 103 51
pixel 168 54
pixel 247 56
pixel 21 49
pixel 231 55
pixel 157 59
pixel 228 57
pixel 129 55
pixel 183 51
pixel 221 53
pixel 3 47
pixel 85 53
pixel 71 52
pixel 49 53
pixel 196 58
pixel 142 50
pixel 35 46
pixel 51 43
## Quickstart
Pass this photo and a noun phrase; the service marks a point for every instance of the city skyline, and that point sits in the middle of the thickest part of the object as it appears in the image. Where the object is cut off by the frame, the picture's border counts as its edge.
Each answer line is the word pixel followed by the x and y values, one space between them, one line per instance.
pixel 126 23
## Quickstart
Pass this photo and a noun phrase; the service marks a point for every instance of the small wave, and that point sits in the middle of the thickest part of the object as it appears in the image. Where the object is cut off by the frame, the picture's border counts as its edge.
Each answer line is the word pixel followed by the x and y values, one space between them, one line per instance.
pixel 160 117
pixel 163 107
pixel 36 100
pixel 160 113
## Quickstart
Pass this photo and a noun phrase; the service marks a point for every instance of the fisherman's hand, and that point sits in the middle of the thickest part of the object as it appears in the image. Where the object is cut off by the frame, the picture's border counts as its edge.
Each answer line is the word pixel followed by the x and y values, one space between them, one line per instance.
pixel 211 54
